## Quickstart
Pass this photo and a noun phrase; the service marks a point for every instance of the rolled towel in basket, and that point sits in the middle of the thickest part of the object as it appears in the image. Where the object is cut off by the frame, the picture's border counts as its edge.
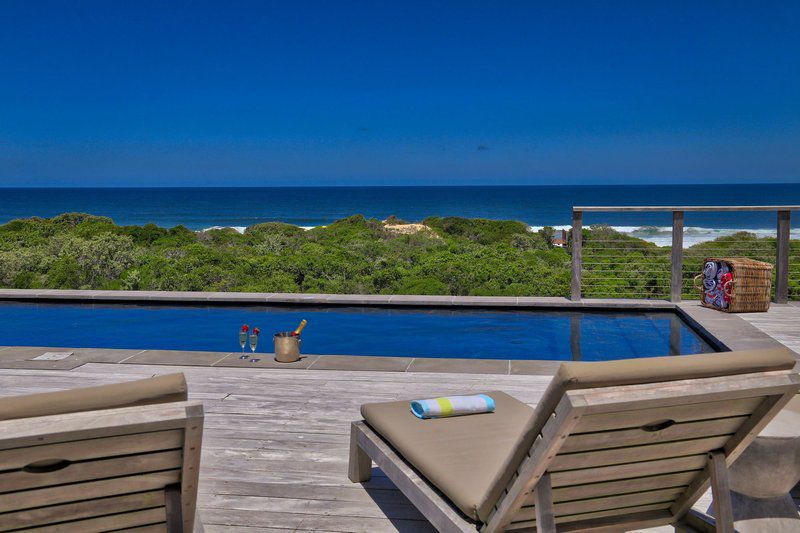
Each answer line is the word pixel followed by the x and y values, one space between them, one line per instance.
pixel 721 301
pixel 709 284
pixel 724 280
pixel 710 269
pixel 452 406
pixel 710 297
pixel 722 270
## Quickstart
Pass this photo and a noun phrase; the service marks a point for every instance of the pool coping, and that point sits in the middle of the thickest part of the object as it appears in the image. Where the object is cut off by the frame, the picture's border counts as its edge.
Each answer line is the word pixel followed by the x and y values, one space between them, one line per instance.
pixel 724 331
pixel 276 298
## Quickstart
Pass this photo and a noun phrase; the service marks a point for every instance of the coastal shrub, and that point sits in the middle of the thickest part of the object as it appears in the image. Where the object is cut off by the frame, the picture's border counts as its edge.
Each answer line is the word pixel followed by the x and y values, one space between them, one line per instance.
pixel 426 285
pixel 24 267
pixel 546 234
pixel 65 273
pixel 102 258
pixel 529 241
pixel 457 256
pixel 274 228
pixel 480 230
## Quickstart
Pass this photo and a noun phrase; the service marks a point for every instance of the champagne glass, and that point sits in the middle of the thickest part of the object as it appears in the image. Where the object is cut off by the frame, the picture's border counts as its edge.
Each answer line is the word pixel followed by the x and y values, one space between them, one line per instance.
pixel 254 340
pixel 243 339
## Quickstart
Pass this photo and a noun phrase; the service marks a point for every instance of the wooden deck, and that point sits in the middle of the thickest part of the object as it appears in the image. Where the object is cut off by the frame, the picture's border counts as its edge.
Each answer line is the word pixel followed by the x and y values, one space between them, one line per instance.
pixel 275 446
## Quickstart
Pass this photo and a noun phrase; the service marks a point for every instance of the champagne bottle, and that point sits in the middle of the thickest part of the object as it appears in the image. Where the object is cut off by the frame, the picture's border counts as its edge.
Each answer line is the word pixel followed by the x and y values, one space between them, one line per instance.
pixel 299 329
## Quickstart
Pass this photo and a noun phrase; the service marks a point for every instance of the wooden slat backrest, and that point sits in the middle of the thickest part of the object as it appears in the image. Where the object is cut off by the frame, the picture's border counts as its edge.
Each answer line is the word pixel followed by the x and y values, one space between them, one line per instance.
pixel 99 470
pixel 637 455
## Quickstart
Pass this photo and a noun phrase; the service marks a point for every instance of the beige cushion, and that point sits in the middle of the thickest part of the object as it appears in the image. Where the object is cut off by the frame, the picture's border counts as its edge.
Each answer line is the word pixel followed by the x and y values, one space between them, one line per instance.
pixel 472 458
pixel 160 389
pixel 464 456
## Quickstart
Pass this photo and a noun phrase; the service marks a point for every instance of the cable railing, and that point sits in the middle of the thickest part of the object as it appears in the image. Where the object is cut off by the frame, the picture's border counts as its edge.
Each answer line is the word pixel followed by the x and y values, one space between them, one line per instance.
pixel 610 264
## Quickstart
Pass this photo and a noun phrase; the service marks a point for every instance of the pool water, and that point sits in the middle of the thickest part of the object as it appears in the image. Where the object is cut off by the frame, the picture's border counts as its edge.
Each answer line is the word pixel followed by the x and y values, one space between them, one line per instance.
pixel 406 332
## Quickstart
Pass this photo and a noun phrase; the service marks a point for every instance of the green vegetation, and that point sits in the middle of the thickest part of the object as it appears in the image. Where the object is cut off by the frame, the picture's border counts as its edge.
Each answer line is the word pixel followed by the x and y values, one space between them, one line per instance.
pixel 450 255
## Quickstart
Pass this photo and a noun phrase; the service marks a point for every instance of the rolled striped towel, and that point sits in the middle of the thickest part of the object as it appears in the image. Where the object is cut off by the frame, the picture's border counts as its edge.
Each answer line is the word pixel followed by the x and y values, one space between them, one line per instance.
pixel 452 406
pixel 709 284
pixel 724 280
pixel 722 270
pixel 710 269
pixel 710 297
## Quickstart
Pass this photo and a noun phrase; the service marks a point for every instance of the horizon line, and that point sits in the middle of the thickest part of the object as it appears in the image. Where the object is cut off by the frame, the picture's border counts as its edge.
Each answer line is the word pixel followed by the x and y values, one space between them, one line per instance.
pixel 551 185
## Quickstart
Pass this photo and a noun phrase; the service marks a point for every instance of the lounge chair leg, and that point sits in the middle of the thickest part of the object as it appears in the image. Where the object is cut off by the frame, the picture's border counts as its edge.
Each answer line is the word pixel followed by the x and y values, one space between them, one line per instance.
pixel 721 491
pixel 172 502
pixel 360 467
pixel 543 497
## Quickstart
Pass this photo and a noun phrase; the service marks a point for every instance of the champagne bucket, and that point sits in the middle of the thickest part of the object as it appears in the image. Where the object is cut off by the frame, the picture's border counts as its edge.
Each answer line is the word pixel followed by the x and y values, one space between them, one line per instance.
pixel 287 347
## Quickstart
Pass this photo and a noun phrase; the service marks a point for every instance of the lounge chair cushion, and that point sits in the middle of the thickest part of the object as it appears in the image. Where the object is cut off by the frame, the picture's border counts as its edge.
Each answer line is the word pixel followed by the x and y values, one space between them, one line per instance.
pixel 466 457
pixel 472 458
pixel 160 389
pixel 672 368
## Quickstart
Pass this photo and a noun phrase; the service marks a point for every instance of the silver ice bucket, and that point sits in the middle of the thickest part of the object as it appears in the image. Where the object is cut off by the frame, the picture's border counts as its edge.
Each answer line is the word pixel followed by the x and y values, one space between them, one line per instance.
pixel 287 347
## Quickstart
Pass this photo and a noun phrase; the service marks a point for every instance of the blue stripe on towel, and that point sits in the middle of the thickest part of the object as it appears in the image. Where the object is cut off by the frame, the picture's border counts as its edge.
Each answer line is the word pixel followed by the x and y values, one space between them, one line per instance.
pixel 418 409
pixel 489 402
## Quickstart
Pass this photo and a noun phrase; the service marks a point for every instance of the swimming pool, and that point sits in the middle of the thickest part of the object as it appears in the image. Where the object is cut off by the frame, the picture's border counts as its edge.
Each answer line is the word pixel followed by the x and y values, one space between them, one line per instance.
pixel 376 331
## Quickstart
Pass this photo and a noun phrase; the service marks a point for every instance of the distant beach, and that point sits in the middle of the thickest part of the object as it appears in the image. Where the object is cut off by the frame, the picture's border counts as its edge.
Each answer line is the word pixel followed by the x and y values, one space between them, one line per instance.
pixel 204 208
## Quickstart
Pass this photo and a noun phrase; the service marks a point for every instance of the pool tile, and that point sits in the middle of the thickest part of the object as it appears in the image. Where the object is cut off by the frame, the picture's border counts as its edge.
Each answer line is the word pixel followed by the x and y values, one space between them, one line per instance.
pixel 119 296
pixel 486 301
pixel 620 303
pixel 354 362
pixel 297 298
pixel 535 368
pixel 462 366
pixel 19 357
pixel 728 328
pixel 237 297
pixel 20 294
pixel 357 299
pixel 178 296
pixel 174 357
pixel 421 300
pixel 266 360
pixel 546 301
pixel 105 355
pixel 67 295
pixel 752 343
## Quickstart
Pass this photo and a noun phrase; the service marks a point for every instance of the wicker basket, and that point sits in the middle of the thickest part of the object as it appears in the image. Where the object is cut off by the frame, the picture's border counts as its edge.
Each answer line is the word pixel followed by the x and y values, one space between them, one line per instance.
pixel 750 289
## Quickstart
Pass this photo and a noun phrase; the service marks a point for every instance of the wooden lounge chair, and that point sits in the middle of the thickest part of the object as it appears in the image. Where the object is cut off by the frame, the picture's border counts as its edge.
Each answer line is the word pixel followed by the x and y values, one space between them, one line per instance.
pixel 122 456
pixel 612 446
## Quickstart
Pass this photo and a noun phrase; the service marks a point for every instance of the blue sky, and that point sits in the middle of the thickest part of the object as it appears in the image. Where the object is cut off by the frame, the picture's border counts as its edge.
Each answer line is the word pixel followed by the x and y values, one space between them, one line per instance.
pixel 352 93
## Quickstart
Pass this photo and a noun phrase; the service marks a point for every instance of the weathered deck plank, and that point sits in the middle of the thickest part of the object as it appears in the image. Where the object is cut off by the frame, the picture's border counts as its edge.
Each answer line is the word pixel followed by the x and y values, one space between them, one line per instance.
pixel 781 322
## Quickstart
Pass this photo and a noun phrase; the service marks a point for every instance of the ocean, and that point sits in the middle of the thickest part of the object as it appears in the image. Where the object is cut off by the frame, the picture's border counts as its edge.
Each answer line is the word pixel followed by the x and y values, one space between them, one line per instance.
pixel 537 206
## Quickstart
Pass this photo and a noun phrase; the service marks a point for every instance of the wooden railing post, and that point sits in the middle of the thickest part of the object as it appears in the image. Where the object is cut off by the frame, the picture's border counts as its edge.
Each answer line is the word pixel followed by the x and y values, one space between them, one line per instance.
pixel 782 258
pixel 676 280
pixel 577 242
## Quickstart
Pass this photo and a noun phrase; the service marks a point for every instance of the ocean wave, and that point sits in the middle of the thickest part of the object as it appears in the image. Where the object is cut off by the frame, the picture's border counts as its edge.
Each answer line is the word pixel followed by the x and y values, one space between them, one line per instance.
pixel 241 229
pixel 659 235
pixel 662 235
